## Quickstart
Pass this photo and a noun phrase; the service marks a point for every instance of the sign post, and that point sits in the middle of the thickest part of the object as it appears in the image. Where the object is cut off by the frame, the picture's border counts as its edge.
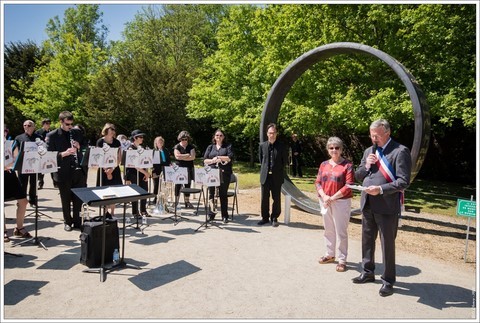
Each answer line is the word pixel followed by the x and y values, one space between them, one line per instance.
pixel 467 208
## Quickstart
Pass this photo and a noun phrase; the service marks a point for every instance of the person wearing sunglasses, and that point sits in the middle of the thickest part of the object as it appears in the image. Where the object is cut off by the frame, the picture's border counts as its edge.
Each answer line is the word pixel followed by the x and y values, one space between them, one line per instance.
pixel 219 154
pixel 28 181
pixel 69 143
pixel 184 153
pixel 335 202
pixel 138 175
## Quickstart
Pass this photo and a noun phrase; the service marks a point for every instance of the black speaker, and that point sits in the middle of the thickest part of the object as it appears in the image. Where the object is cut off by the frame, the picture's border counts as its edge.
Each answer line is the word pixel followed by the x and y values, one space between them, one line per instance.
pixel 91 241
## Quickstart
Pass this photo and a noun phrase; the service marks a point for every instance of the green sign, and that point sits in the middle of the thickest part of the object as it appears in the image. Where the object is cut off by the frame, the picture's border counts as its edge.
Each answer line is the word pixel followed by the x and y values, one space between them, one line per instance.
pixel 466 208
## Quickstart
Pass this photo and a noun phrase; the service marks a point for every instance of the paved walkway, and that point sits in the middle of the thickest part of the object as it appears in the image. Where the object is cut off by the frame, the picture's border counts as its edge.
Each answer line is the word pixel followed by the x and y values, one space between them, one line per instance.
pixel 239 271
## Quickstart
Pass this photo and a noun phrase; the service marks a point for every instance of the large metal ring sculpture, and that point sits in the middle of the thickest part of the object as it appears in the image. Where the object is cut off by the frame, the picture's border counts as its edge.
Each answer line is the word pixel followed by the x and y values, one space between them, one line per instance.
pixel 286 80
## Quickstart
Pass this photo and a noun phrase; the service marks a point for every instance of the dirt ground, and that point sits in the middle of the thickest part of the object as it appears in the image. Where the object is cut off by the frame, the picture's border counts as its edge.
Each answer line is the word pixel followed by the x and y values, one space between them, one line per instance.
pixel 429 235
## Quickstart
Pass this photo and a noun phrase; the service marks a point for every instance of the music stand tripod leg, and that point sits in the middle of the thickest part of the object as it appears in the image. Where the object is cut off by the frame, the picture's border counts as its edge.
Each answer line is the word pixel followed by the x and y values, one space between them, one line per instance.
pixel 36 201
pixel 35 239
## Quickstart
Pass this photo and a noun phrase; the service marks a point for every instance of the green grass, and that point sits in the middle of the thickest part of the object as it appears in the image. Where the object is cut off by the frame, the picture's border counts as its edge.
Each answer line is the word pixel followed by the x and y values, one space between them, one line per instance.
pixel 422 196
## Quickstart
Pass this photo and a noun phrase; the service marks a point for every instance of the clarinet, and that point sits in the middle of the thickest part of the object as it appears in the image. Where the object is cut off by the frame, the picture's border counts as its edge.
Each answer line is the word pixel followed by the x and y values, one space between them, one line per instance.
pixel 77 164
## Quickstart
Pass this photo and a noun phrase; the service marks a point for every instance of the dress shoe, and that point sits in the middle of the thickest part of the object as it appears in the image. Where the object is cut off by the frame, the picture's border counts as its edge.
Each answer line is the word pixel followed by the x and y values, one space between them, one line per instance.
pixel 275 223
pixel 225 220
pixel 67 227
pixel 262 222
pixel 386 290
pixel 189 205
pixel 364 278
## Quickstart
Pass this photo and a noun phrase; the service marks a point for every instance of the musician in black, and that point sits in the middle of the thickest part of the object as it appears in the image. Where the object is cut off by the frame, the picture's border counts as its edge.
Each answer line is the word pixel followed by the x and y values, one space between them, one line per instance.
pixel 138 175
pixel 184 153
pixel 69 143
pixel 43 132
pixel 19 143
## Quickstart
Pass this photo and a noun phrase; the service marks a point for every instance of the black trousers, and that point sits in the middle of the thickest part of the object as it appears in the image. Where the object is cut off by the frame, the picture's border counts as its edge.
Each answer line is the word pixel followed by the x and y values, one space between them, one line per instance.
pixel 76 178
pixel 222 194
pixel 28 182
pixel 143 203
pixel 387 225
pixel 274 189
pixel 297 166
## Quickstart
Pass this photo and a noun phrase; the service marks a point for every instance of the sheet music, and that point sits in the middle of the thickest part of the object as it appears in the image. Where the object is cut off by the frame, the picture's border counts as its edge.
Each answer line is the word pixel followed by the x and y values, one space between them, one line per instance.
pixel 115 191
pixel 8 153
pixel 356 187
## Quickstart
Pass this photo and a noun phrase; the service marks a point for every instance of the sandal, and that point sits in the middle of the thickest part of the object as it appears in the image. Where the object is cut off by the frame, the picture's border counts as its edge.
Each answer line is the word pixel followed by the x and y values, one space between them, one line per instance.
pixel 5 237
pixel 341 268
pixel 326 260
pixel 21 233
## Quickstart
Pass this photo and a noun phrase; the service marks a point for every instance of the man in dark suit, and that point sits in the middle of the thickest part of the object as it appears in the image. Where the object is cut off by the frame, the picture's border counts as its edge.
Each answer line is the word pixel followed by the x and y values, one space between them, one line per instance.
pixel 68 142
pixel 273 158
pixel 385 172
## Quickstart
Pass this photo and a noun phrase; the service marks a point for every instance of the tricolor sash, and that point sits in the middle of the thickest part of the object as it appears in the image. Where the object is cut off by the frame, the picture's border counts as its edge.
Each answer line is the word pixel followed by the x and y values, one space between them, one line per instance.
pixel 388 172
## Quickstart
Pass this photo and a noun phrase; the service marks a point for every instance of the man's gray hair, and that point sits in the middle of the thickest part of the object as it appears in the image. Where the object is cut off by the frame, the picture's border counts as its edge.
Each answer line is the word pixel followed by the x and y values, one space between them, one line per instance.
pixel 380 123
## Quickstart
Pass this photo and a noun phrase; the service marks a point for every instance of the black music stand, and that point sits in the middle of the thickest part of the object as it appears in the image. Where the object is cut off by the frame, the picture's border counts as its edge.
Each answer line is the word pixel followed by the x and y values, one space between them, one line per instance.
pixel 35 239
pixel 207 208
pixel 88 197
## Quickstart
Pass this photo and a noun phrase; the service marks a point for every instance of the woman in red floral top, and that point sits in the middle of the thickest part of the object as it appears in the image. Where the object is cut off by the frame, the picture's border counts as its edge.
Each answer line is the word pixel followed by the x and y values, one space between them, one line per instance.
pixel 335 201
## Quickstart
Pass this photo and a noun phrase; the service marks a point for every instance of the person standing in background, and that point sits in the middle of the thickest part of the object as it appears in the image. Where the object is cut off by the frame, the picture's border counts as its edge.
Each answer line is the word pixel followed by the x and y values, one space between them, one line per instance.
pixel 43 133
pixel 138 176
pixel 110 175
pixel 185 155
pixel 296 151
pixel 159 145
pixel 28 181
pixel 219 154
pixel 273 158
pixel 385 173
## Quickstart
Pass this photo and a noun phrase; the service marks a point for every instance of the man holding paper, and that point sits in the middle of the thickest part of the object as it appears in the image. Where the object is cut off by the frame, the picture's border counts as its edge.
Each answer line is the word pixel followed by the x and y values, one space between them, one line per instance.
pixel 385 173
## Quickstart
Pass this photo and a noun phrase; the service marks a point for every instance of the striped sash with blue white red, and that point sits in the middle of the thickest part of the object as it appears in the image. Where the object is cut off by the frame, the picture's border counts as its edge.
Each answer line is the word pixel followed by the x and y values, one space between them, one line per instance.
pixel 388 172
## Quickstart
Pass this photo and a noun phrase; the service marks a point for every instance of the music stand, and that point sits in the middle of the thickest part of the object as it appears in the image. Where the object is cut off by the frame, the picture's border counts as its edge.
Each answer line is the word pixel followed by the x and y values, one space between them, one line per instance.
pixel 207 208
pixel 36 211
pixel 90 198
pixel 35 239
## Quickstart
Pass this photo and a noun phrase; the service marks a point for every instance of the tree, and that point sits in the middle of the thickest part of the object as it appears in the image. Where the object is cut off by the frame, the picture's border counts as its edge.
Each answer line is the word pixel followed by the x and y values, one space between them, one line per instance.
pixel 74 57
pixel 20 59
pixel 151 71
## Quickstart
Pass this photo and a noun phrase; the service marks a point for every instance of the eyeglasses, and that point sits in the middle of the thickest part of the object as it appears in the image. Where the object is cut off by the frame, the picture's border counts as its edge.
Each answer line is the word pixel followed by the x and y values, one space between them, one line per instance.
pixel 68 124
pixel 334 148
pixel 28 125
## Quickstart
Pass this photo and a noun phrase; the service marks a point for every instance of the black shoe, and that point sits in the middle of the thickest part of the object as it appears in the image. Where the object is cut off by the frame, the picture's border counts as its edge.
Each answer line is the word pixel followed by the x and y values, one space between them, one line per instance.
pixel 67 227
pixel 225 220
pixel 40 185
pixel 386 290
pixel 275 223
pixel 364 278
pixel 189 205
pixel 262 222
pixel 211 215
pixel 32 202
